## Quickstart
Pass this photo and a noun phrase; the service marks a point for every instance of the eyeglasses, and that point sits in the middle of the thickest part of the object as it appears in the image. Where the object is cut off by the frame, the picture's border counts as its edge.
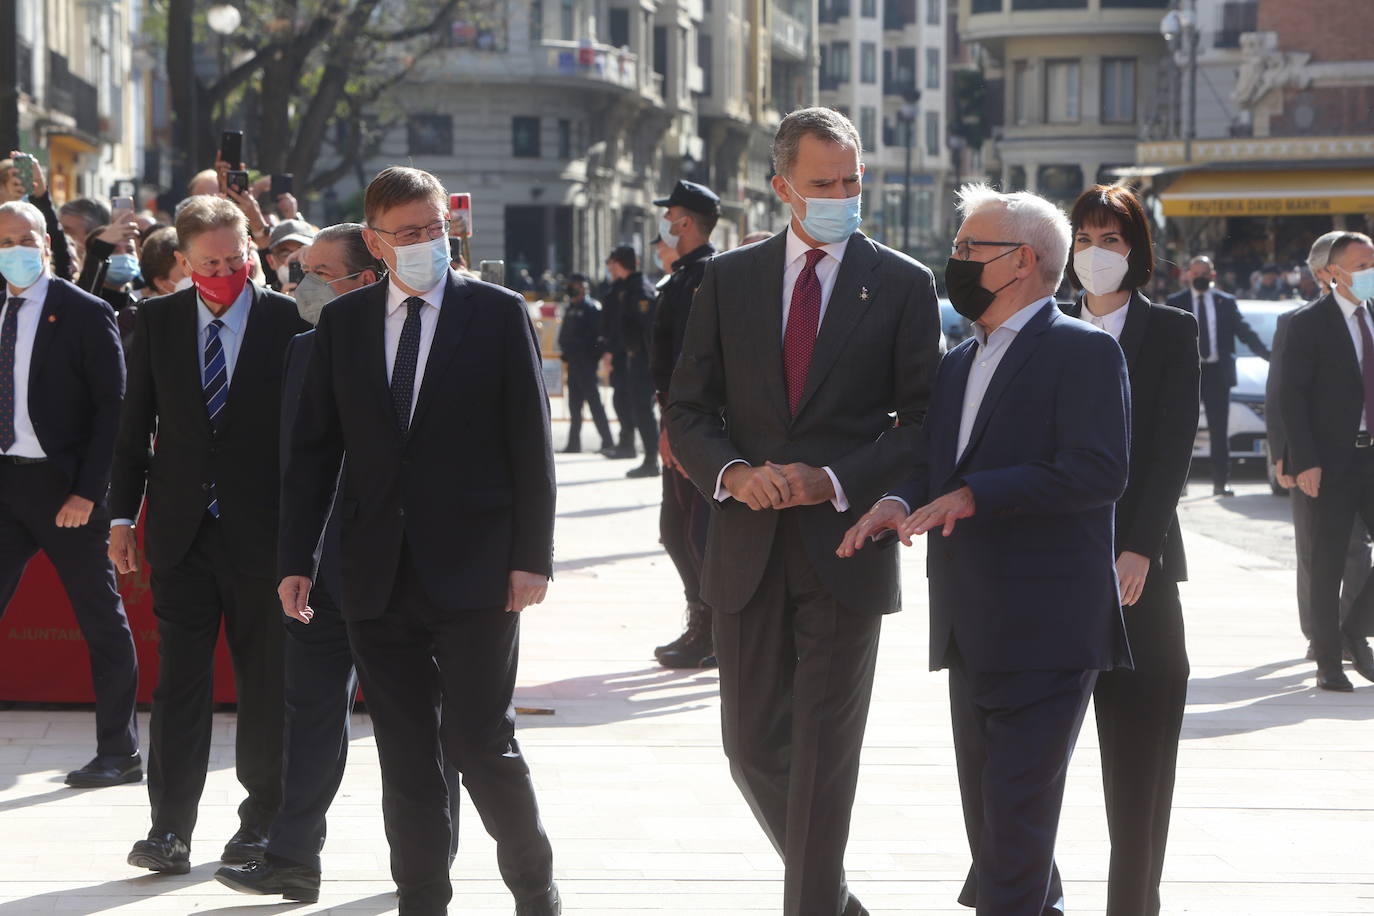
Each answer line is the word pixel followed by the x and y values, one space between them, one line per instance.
pixel 962 250
pixel 414 234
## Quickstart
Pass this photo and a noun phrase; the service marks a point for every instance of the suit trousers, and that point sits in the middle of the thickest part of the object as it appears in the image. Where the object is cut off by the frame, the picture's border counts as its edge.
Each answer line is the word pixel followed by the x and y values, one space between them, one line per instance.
pixel 620 396
pixel 640 394
pixel 1139 718
pixel 1014 734
pixel 1357 559
pixel 190 601
pixel 682 522
pixel 1342 498
pixel 30 496
pixel 412 659
pixel 584 389
pixel 796 678
pixel 321 684
pixel 1216 404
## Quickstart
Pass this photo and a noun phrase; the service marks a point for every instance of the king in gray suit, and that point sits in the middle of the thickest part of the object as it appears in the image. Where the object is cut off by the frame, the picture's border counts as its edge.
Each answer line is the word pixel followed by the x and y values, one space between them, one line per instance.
pixel 801 389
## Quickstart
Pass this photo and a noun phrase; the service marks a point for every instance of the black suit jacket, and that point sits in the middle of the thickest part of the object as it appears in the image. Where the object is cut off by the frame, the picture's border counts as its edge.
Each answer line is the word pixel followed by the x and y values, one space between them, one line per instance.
pixel 76 384
pixel 1276 435
pixel 469 489
pixel 1321 391
pixel 1160 344
pixel 1230 325
pixel 167 447
pixel 297 364
pixel 875 356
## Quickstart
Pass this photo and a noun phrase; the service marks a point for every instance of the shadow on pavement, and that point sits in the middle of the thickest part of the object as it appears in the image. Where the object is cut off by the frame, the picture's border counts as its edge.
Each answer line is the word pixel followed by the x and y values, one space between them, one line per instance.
pixel 109 895
pixel 606 510
pixel 573 565
pixel 1279 694
pixel 600 699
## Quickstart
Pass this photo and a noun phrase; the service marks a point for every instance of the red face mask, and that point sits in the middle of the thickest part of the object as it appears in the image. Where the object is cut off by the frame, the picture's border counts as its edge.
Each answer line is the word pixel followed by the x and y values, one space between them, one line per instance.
pixel 221 290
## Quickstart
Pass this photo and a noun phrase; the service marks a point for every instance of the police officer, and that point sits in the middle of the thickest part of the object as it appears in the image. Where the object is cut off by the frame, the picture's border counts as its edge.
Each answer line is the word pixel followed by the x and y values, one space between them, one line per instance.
pixel 692 213
pixel 631 302
pixel 579 342
pixel 613 300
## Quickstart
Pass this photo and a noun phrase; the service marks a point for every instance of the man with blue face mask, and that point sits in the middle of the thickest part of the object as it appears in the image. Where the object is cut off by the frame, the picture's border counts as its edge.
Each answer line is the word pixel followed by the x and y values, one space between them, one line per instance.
pixel 61 387
pixel 810 343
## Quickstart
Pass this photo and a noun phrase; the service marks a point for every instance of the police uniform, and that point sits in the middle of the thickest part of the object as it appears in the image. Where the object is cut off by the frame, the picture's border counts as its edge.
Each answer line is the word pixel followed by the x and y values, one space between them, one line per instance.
pixel 579 342
pixel 611 341
pixel 684 514
pixel 635 299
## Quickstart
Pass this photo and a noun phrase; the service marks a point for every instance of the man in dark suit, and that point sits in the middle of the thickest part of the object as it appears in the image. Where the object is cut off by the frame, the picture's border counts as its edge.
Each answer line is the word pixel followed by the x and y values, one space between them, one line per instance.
pixel 61 384
pixel 1357 556
pixel 430 386
pixel 810 343
pixel 629 309
pixel 200 434
pixel 1326 394
pixel 580 344
pixel 1219 324
pixel 1024 455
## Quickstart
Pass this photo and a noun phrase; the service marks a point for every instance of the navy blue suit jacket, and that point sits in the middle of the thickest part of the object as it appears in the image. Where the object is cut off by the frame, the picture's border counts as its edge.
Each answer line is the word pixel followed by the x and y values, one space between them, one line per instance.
pixel 76 387
pixel 293 384
pixel 1029 582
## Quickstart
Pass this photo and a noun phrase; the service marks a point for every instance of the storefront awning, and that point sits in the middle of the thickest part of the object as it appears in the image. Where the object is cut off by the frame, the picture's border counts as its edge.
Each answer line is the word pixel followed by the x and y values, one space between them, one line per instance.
pixel 1271 193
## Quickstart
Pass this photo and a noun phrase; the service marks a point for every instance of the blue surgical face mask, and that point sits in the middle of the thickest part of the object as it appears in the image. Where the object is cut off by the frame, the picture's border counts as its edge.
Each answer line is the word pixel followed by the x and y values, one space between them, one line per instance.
pixel 829 220
pixel 421 266
pixel 1361 284
pixel 21 265
pixel 122 268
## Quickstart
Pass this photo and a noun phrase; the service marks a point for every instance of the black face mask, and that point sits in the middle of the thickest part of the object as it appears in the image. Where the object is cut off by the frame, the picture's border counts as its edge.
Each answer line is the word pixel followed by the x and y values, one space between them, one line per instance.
pixel 573 293
pixel 1202 284
pixel 964 283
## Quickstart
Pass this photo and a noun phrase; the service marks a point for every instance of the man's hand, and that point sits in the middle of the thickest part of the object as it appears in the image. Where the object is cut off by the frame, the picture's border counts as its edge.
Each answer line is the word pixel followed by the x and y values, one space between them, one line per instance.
pixel 526 588
pixel 757 488
pixel 294 592
pixel 942 513
pixel 40 187
pixel 886 515
pixel 665 453
pixel 122 228
pixel 75 512
pixel 1287 481
pixel 123 549
pixel 287 207
pixel 1310 482
pixel 1131 570
pixel 257 224
pixel 809 486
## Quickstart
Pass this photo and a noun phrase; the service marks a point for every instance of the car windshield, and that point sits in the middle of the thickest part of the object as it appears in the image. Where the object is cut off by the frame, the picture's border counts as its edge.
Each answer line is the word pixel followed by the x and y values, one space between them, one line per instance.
pixel 1263 318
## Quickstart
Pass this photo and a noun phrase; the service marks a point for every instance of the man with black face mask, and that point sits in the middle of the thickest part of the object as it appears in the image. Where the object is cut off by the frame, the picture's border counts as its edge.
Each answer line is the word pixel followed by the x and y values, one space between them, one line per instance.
pixel 579 342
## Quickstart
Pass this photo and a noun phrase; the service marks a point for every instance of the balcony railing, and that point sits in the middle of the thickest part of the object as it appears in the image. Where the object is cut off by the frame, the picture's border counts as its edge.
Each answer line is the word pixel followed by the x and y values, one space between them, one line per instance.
pixel 595 62
pixel 71 95
pixel 790 36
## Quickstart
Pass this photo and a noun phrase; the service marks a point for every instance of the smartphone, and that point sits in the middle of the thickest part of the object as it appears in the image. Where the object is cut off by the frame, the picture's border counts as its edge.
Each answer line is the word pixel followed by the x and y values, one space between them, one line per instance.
pixel 455 248
pixel 460 215
pixel 123 188
pixel 238 180
pixel 231 147
pixel 295 272
pixel 283 184
pixel 123 203
pixel 24 163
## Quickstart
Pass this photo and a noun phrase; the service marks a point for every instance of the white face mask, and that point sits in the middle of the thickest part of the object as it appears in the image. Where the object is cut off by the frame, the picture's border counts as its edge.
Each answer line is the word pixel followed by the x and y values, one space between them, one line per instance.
pixel 284 274
pixel 1100 271
pixel 665 232
pixel 421 266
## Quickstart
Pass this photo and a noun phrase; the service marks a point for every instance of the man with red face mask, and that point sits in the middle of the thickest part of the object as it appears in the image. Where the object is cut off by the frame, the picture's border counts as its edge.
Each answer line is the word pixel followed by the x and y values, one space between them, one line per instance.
pixel 205 377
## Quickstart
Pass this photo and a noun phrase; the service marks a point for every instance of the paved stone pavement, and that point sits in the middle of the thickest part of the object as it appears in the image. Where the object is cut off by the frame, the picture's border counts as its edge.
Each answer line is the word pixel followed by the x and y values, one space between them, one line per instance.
pixel 1271 816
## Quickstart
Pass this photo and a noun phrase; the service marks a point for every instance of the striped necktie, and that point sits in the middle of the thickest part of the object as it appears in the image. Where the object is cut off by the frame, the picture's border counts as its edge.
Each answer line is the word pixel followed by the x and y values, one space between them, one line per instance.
pixel 215 385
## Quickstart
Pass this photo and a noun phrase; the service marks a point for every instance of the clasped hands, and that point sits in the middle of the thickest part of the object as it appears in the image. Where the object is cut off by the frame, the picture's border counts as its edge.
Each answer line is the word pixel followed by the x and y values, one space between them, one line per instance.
pixel 891 515
pixel 778 486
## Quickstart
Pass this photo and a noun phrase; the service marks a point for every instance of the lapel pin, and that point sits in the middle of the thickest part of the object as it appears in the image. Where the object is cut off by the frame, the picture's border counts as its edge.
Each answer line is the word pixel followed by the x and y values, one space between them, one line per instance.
pixel 52 319
pixel 863 293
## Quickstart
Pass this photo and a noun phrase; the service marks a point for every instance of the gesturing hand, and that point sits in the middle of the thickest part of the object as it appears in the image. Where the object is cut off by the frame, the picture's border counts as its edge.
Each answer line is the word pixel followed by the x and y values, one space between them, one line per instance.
pixel 294 592
pixel 757 488
pixel 942 513
pixel 808 485
pixel 526 588
pixel 886 515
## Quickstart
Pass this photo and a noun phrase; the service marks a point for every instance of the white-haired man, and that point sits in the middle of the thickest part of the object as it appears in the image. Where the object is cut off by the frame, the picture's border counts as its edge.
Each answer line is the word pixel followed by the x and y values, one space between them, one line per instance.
pixel 1025 454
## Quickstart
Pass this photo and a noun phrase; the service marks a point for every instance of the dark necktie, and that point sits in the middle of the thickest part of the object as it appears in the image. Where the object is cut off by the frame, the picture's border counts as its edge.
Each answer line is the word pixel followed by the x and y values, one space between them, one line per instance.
pixel 1366 365
pixel 9 334
pixel 803 321
pixel 214 383
pixel 1204 333
pixel 403 369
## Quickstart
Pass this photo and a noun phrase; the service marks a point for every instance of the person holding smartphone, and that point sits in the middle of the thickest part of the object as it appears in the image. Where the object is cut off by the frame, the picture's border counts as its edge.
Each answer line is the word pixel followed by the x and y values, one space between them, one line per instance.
pixel 21 176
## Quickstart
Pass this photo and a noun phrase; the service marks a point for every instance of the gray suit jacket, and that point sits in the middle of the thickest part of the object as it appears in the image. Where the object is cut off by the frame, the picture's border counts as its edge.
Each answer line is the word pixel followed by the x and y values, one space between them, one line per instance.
pixel 874 361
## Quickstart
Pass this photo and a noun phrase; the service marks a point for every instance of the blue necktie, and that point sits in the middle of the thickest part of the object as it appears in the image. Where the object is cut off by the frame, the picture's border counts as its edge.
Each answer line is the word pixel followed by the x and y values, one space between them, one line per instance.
pixel 215 384
pixel 403 369
pixel 9 334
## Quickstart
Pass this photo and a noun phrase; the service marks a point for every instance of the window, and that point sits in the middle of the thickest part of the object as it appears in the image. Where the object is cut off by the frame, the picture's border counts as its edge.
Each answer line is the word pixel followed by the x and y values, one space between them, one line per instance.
pixel 661 52
pixel 430 135
pixel 704 61
pixel 1118 90
pixel 868 62
pixel 932 133
pixel 525 137
pixel 567 31
pixel 933 12
pixel 1020 92
pixel 564 139
pixel 1237 18
pixel 839 61
pixel 618 28
pixel 1061 91
pixel 904 75
pixel 869 9
pixel 536 21
pixel 932 68
pixel 868 127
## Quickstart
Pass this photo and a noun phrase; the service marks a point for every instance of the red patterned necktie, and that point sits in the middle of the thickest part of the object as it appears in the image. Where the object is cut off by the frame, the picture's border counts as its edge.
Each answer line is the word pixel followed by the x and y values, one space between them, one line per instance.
pixel 803 320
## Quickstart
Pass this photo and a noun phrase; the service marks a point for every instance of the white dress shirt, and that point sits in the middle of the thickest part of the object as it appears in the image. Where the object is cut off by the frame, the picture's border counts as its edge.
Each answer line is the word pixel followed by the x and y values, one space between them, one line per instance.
pixel 827 268
pixel 1353 312
pixel 396 320
pixel 235 320
pixel 1114 322
pixel 25 439
pixel 1208 314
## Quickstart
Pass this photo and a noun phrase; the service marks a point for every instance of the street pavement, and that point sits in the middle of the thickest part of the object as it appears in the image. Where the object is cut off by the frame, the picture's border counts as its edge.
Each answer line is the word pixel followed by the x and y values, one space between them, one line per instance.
pixel 1271 816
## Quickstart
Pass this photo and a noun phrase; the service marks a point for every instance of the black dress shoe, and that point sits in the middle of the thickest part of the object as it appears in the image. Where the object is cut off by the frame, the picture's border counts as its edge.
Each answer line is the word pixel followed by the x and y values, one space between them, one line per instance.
pixel 546 904
pixel 1361 656
pixel 852 907
pixel 620 451
pixel 248 845
pixel 107 771
pixel 294 882
pixel 572 448
pixel 647 469
pixel 1223 490
pixel 162 852
pixel 1334 679
pixel 1311 655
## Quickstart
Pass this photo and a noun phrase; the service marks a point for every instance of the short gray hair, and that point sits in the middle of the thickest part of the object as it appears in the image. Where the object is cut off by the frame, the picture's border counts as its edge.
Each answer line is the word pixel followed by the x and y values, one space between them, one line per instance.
pixel 1344 240
pixel 356 256
pixel 29 212
pixel 1030 220
pixel 1320 253
pixel 822 123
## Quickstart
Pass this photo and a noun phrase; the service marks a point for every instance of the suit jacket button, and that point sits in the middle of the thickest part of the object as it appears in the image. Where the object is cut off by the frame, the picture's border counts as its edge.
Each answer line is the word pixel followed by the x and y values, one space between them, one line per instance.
pixel 205 487
pixel 401 511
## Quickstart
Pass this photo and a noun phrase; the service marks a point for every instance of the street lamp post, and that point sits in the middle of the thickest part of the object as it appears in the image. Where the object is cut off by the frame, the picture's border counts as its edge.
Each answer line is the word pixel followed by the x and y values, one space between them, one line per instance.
pixel 907 114
pixel 1179 28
